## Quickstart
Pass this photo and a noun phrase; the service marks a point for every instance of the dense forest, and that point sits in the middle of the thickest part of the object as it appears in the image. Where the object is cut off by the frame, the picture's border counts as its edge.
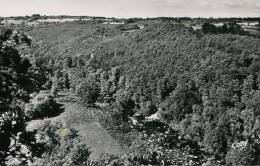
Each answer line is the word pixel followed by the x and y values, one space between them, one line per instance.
pixel 203 87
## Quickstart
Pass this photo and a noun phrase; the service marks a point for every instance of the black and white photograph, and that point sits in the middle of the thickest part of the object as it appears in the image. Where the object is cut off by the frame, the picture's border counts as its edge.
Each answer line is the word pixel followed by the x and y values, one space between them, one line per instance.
pixel 129 82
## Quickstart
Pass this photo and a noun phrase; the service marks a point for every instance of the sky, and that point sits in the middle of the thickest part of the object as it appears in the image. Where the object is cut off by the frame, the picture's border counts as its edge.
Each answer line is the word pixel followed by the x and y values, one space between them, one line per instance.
pixel 133 8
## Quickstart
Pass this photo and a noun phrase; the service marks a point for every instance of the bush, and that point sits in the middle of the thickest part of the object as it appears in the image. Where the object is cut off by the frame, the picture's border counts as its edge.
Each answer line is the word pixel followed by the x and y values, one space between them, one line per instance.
pixel 165 148
pixel 42 105
pixel 62 146
pixel 242 156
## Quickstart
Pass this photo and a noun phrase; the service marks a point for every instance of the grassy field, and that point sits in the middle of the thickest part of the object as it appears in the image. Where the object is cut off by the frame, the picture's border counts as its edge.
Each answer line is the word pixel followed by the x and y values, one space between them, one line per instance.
pixel 85 121
pixel 90 130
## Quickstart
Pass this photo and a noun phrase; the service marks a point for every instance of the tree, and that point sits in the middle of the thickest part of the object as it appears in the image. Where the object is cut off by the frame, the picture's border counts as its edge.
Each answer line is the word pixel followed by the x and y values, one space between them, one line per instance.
pixel 66 81
pixel 203 86
pixel 88 91
pixel 57 82
pixel 51 64
pixel 209 28
pixel 235 28
pixel 15 84
pixel 67 63
pixel 224 28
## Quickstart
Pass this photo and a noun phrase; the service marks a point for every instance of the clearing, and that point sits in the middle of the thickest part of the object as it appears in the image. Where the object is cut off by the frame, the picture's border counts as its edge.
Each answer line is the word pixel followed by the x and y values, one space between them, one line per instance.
pixel 85 121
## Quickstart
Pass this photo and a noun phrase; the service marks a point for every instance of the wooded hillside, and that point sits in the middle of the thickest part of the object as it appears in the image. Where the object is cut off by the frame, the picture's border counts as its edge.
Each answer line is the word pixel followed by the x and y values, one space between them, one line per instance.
pixel 204 86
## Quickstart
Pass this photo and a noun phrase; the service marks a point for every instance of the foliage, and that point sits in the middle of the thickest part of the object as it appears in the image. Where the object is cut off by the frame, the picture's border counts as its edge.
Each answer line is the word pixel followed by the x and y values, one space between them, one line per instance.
pixel 88 92
pixel 160 145
pixel 231 28
pixel 245 156
pixel 206 86
pixel 62 146
pixel 41 106
pixel 16 81
pixel 115 118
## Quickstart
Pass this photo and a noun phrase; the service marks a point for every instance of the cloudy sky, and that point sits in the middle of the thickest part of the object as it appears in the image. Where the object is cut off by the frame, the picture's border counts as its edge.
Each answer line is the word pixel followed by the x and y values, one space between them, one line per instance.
pixel 133 8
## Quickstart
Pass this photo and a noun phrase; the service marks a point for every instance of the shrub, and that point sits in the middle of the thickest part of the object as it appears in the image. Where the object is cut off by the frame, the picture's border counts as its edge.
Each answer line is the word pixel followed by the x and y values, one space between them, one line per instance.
pixel 62 146
pixel 42 105
pixel 242 156
pixel 165 149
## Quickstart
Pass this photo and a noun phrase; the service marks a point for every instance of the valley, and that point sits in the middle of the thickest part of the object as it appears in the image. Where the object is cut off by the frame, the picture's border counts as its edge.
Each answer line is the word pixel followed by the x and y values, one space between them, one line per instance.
pixel 131 92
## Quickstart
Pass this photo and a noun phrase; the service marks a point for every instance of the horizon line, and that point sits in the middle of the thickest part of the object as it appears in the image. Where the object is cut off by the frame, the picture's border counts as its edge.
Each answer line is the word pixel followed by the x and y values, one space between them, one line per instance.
pixel 142 17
